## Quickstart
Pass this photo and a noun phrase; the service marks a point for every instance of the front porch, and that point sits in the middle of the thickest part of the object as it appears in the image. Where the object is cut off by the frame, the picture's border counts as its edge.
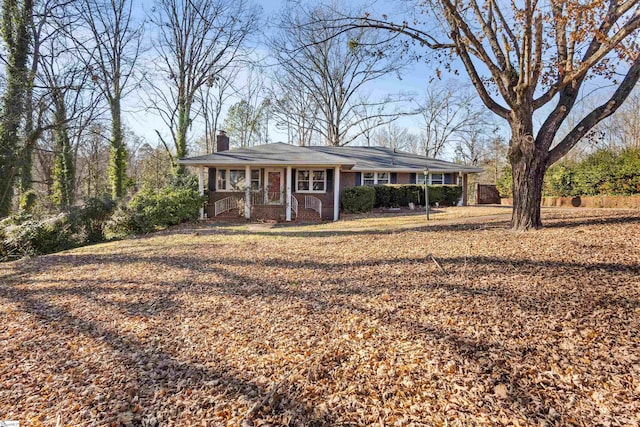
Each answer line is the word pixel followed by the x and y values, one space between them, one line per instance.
pixel 272 193
pixel 230 206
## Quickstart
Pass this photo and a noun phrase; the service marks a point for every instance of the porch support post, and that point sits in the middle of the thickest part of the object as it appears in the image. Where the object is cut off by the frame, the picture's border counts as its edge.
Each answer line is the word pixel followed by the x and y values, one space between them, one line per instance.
pixel 459 182
pixel 288 195
pixel 247 192
pixel 336 193
pixel 201 188
pixel 464 190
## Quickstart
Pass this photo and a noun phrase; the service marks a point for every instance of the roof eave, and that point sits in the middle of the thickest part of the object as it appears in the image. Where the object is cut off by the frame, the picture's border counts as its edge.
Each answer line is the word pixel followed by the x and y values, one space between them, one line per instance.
pixel 416 170
pixel 204 163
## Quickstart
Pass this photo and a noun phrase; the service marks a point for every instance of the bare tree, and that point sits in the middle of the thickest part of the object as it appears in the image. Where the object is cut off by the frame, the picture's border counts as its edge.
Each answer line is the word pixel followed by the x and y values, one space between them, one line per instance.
pixel 494 158
pixel 196 42
pixel 372 115
pixel 92 161
pixel 294 108
pixel 332 68
pixel 245 119
pixel 523 56
pixel 111 55
pixel 60 100
pixel 622 129
pixel 154 165
pixel 71 107
pixel 212 97
pixel 450 115
pixel 399 138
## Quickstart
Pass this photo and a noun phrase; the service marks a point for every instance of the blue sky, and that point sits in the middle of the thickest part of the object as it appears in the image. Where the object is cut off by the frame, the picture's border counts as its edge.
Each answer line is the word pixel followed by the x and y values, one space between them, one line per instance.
pixel 415 79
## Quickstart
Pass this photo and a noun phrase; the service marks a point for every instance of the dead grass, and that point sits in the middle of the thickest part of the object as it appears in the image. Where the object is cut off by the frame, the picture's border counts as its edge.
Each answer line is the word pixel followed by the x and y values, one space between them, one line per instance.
pixel 337 324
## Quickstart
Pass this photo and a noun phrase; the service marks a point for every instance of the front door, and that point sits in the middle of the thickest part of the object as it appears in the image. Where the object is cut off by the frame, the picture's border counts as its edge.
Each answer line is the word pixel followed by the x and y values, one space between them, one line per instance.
pixel 275 186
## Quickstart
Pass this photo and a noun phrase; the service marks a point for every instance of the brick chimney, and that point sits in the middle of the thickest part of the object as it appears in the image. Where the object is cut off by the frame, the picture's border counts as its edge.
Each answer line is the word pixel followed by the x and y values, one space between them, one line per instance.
pixel 222 141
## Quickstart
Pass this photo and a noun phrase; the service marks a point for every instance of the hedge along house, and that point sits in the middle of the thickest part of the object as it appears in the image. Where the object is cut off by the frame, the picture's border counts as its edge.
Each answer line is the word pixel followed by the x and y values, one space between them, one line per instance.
pixel 286 182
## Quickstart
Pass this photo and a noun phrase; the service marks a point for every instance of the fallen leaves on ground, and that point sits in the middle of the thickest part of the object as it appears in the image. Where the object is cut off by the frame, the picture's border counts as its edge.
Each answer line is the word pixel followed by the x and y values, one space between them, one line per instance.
pixel 331 325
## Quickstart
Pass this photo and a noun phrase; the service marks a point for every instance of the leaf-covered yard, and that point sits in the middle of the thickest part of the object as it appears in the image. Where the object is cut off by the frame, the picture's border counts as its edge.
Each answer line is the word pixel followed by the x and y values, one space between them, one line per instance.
pixel 335 324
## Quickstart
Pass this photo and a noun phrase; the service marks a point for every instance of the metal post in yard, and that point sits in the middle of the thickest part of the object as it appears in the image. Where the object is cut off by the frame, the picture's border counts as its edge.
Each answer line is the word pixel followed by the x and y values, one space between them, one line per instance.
pixel 426 190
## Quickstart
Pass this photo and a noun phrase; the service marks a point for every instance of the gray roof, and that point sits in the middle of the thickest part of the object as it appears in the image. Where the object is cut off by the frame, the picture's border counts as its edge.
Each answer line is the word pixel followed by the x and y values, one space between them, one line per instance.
pixel 382 158
pixel 276 154
pixel 354 158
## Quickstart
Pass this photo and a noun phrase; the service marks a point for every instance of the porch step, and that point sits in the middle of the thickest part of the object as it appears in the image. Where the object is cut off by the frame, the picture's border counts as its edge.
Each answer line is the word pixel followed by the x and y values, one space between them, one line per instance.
pixel 227 214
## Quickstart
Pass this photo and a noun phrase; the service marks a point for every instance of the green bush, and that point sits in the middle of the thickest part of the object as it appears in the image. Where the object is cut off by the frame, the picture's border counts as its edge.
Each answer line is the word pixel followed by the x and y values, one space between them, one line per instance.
pixel 414 194
pixel 358 199
pixel 153 210
pixel 504 183
pixel 33 237
pixel 382 196
pixel 608 172
pixel 93 216
pixel 602 172
pixel 595 174
pixel 451 194
pixel 559 180
pixel 23 235
pixel 400 195
pixel 122 223
pixel 436 194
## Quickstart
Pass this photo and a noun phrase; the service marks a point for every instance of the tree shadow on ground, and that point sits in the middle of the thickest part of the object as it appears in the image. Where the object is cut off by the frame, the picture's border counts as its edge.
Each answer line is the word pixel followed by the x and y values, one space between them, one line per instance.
pixel 344 288
pixel 627 218
pixel 149 368
pixel 344 292
pixel 344 278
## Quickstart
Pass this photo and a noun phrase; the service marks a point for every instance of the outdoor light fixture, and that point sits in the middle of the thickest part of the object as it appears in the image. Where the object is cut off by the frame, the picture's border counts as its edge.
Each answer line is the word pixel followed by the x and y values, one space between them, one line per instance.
pixel 426 190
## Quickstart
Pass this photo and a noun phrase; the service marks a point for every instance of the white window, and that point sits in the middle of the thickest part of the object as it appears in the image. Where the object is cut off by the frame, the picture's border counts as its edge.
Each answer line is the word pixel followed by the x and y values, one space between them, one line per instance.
pixel 376 178
pixel 221 183
pixel 230 180
pixel 436 178
pixel 255 179
pixel 311 180
pixel 368 178
pixel 236 179
pixel 319 182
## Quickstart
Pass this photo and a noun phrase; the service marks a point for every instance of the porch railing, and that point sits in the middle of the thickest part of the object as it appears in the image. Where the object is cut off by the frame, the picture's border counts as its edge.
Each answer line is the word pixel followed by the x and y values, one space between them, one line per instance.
pixel 225 205
pixel 263 197
pixel 313 203
pixel 294 205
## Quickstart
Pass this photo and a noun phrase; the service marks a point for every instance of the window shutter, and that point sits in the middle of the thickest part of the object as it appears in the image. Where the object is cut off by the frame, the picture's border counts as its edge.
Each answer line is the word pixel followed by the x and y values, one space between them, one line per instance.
pixel 294 177
pixel 358 179
pixel 412 178
pixel 394 178
pixel 212 179
pixel 329 180
pixel 447 178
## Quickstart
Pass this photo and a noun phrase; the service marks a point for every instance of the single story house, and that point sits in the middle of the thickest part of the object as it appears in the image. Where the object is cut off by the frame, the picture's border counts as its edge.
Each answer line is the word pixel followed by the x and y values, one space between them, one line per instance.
pixel 283 181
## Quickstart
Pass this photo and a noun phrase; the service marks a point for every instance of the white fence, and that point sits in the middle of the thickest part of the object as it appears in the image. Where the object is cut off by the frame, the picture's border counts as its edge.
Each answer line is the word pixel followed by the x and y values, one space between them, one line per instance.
pixel 224 205
pixel 294 205
pixel 313 203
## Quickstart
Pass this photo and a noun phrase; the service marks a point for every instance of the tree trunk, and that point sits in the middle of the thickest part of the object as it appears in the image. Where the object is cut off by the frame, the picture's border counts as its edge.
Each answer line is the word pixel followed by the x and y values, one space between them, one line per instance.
pixel 527 194
pixel 528 166
pixel 181 134
pixel 30 139
pixel 64 170
pixel 16 35
pixel 118 154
